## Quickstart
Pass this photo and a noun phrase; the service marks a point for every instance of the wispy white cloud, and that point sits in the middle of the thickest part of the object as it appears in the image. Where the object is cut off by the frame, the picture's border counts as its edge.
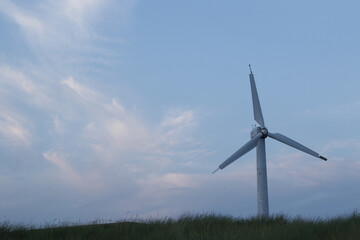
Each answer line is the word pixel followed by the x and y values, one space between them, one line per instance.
pixel 30 24
pixel 14 81
pixel 67 172
pixel 81 91
pixel 63 32
pixel 171 129
pixel 89 142
pixel 77 11
pixel 13 128
pixel 58 126
pixel 99 124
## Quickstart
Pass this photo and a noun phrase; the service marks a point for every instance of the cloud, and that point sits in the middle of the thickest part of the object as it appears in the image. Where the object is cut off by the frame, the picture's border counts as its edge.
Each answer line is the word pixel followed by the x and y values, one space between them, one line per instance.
pixel 64 33
pixel 15 82
pixel 58 126
pixel 111 130
pixel 13 128
pixel 31 25
pixel 82 121
pixel 92 143
pixel 67 172
pixel 81 91
pixel 84 145
pixel 175 122
pixel 78 11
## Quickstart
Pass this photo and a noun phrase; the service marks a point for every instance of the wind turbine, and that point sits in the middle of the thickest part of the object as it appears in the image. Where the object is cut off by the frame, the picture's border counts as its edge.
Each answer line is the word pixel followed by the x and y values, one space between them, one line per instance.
pixel 258 135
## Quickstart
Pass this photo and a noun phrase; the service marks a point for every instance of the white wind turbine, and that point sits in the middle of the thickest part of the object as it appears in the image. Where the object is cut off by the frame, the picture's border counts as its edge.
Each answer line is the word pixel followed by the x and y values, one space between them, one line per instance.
pixel 258 135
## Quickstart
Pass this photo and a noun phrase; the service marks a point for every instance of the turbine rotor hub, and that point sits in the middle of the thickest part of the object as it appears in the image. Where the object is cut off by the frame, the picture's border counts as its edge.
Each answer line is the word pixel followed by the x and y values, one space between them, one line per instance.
pixel 256 130
pixel 264 132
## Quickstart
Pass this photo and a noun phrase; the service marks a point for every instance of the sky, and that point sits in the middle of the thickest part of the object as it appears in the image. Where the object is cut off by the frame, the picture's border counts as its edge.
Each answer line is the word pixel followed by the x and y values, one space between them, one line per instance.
pixel 121 109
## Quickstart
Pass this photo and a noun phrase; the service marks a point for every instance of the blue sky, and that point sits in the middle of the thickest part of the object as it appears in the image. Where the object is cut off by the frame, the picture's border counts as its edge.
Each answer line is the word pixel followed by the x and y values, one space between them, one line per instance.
pixel 122 109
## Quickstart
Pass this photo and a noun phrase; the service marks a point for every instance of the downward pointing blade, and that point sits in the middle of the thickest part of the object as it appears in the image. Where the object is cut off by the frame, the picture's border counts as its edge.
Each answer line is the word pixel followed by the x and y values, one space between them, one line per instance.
pixel 294 144
pixel 244 149
pixel 256 103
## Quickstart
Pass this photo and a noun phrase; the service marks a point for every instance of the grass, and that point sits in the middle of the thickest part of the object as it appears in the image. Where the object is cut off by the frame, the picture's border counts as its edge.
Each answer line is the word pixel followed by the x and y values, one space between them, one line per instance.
pixel 205 226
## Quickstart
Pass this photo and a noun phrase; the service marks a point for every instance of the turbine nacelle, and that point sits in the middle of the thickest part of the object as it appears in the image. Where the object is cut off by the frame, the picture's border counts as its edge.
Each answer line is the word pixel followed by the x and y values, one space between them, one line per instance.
pixel 256 130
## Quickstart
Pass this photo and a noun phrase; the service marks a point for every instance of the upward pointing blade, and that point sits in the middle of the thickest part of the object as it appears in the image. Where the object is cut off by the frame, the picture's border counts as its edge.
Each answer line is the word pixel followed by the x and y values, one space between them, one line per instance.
pixel 294 144
pixel 244 149
pixel 256 103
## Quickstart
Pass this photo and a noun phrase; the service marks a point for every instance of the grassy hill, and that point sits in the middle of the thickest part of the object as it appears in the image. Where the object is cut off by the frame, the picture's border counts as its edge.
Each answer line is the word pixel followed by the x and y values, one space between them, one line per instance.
pixel 198 227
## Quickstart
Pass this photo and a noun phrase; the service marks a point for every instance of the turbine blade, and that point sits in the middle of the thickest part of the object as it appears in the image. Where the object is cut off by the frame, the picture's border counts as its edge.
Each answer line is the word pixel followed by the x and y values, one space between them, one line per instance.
pixel 294 144
pixel 244 149
pixel 256 103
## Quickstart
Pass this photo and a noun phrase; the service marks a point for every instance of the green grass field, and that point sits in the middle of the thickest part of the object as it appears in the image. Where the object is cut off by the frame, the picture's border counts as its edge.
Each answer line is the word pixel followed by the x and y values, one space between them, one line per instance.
pixel 208 226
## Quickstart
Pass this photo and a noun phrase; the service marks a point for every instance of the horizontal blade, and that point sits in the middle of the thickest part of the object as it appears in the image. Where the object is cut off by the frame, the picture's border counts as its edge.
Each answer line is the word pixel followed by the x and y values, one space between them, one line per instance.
pixel 244 149
pixel 256 103
pixel 294 144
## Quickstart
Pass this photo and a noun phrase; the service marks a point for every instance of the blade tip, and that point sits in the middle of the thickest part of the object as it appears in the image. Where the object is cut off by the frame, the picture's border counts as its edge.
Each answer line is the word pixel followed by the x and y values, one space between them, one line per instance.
pixel 215 170
pixel 323 158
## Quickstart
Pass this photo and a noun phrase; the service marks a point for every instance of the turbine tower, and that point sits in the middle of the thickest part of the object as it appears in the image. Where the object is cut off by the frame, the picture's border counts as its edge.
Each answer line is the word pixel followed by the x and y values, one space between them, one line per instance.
pixel 258 135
